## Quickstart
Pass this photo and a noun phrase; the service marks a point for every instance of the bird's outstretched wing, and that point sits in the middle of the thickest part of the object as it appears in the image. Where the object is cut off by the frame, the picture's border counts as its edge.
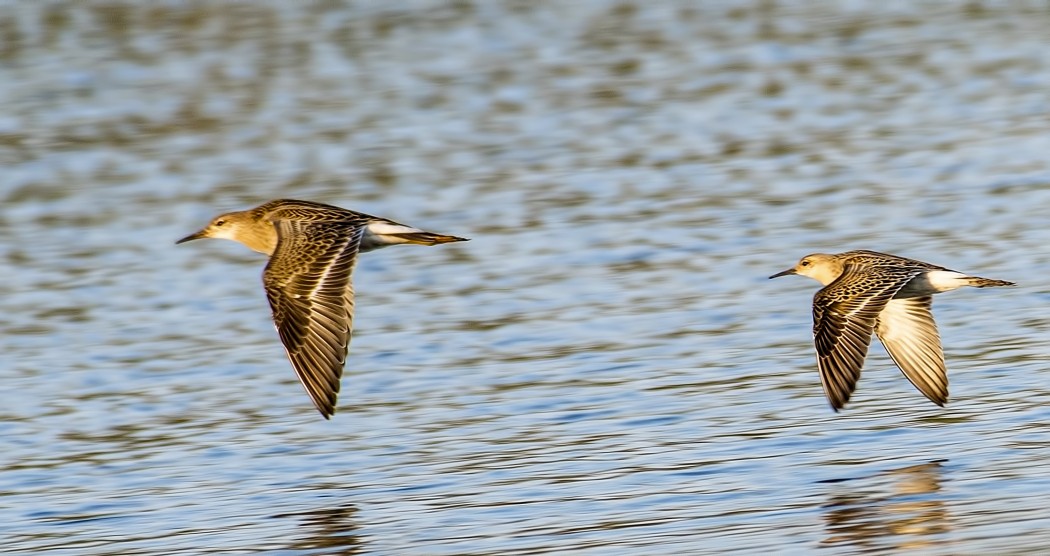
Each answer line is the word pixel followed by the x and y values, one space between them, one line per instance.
pixel 309 288
pixel 909 333
pixel 845 313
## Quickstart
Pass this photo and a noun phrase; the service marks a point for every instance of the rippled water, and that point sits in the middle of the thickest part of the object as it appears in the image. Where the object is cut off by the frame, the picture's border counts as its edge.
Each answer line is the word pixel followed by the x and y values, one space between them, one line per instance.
pixel 604 368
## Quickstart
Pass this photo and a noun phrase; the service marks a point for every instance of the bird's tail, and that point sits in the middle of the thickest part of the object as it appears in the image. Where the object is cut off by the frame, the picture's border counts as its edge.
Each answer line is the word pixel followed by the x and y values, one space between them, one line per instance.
pixel 383 233
pixel 978 282
pixel 426 238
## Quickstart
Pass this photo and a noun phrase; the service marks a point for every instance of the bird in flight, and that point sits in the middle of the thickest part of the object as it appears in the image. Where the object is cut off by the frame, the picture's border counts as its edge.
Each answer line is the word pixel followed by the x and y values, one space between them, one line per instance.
pixel 313 248
pixel 866 292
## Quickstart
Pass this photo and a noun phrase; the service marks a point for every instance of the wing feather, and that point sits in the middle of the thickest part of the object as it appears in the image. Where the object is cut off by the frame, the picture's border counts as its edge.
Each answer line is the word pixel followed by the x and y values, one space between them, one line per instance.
pixel 907 329
pixel 308 284
pixel 845 313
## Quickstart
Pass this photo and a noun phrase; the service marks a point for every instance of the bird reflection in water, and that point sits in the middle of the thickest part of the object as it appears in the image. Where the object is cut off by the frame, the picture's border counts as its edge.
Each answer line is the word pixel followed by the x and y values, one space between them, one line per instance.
pixel 331 529
pixel 898 509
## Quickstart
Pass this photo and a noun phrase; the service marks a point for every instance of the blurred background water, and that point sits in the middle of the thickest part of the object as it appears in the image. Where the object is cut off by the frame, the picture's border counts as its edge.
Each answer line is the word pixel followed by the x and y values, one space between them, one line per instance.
pixel 604 368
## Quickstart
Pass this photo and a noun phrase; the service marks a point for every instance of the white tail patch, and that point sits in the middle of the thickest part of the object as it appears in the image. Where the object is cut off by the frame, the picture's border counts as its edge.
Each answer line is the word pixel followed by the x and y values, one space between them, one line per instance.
pixel 945 280
pixel 381 228
pixel 379 234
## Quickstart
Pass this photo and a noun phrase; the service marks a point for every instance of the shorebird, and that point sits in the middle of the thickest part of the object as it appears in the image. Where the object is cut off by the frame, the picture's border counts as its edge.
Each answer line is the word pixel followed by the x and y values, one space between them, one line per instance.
pixel 313 248
pixel 867 292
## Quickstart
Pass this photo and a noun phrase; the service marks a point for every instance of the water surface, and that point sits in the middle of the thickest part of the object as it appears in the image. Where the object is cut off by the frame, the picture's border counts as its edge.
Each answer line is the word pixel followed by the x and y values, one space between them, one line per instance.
pixel 604 368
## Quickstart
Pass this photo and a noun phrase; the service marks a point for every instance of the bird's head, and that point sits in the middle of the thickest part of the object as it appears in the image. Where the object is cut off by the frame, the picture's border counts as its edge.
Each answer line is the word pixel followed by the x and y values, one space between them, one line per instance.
pixel 821 267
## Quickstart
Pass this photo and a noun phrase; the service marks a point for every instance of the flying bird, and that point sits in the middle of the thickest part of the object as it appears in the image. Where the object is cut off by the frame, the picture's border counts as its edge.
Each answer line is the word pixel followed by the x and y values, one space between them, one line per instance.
pixel 867 292
pixel 313 248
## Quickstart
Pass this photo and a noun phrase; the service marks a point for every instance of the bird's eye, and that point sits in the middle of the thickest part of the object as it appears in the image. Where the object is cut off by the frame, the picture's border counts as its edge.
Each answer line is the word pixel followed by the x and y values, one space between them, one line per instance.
pixel 804 263
pixel 220 222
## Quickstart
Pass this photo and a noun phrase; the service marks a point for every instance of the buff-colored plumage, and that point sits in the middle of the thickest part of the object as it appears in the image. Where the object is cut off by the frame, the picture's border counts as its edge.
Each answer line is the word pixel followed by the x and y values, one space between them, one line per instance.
pixel 313 249
pixel 867 292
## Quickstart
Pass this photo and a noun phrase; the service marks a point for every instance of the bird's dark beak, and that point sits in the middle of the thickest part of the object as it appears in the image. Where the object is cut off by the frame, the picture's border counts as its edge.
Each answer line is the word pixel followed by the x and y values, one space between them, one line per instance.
pixel 192 237
pixel 779 274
